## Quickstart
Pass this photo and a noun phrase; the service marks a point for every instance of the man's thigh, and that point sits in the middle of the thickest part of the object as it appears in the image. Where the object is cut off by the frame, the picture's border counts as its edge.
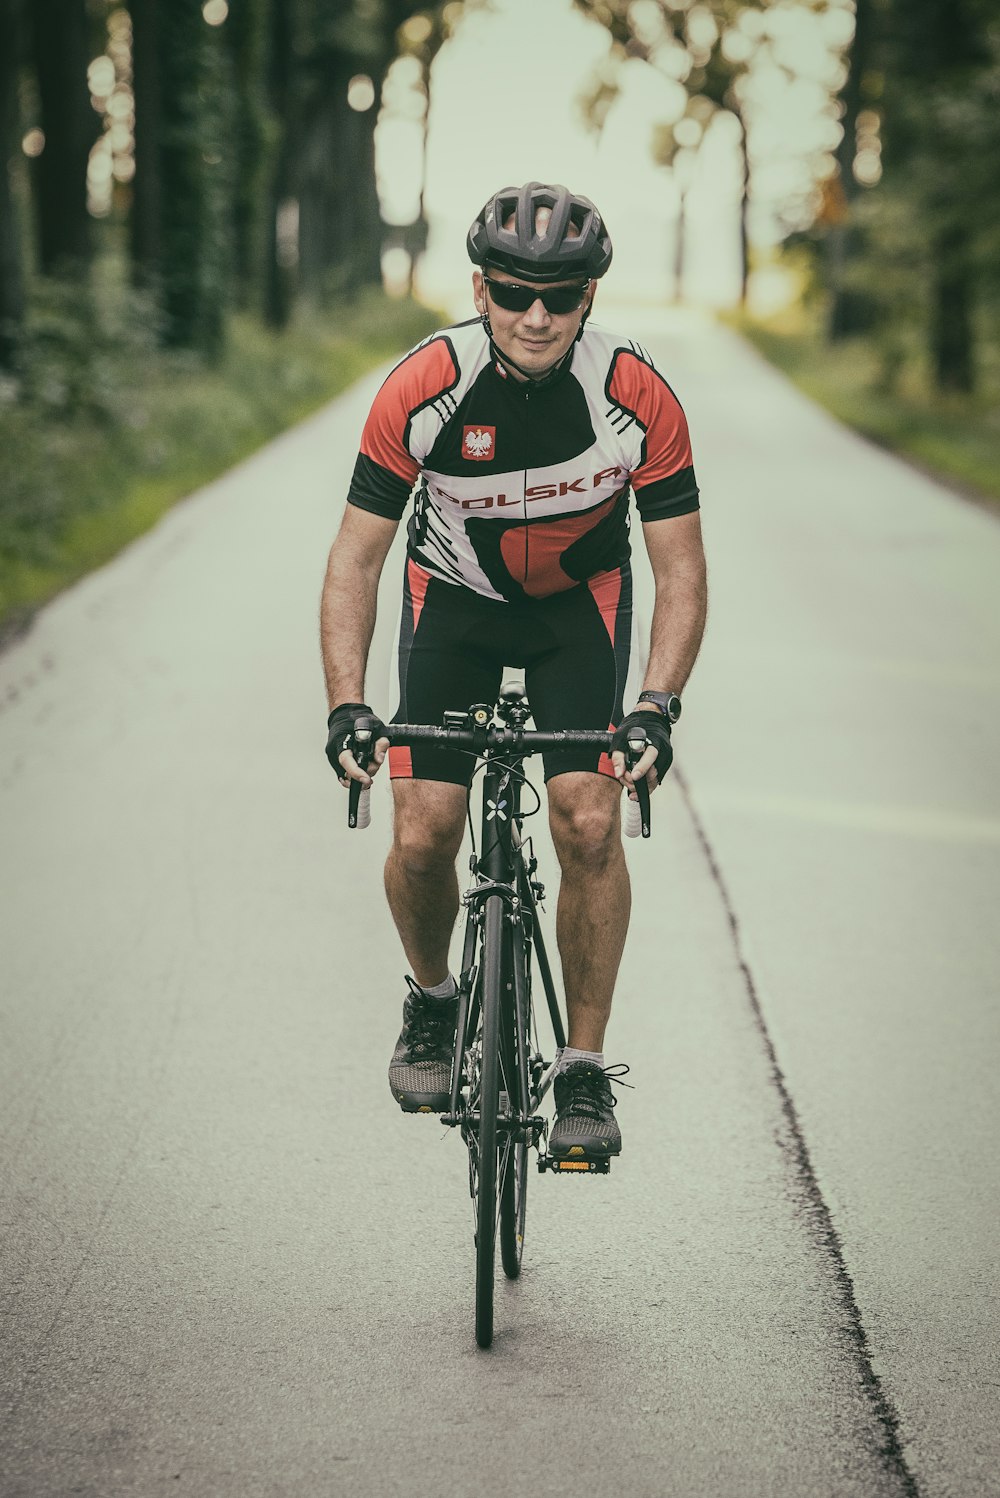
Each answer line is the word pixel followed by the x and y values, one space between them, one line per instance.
pixel 579 678
pixel 450 656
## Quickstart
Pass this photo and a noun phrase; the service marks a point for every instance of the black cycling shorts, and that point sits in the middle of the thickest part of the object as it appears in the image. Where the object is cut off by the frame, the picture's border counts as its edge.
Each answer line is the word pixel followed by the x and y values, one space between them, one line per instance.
pixel 574 648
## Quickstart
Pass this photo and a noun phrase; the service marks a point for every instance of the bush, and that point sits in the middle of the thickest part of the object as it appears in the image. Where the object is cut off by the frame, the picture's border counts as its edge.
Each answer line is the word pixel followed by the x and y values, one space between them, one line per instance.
pixel 101 430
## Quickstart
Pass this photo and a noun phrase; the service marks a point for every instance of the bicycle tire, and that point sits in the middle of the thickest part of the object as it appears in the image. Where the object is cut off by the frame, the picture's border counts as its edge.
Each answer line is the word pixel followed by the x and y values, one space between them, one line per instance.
pixel 489 1097
pixel 514 1161
pixel 513 1206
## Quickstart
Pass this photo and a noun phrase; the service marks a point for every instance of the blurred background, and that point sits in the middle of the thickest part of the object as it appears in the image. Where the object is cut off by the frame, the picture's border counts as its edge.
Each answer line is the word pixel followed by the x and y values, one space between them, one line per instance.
pixel 217 213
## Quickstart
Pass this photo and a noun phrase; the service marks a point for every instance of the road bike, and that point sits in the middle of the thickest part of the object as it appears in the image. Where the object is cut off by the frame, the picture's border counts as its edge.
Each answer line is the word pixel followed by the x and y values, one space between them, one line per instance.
pixel 500 1077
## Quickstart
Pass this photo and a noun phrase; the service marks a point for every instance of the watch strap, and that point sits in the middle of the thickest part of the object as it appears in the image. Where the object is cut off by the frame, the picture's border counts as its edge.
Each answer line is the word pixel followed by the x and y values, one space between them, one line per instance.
pixel 668 703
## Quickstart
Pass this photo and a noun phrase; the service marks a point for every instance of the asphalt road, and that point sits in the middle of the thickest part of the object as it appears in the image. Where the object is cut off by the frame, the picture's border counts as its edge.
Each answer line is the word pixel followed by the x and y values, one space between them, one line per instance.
pixel 228 1265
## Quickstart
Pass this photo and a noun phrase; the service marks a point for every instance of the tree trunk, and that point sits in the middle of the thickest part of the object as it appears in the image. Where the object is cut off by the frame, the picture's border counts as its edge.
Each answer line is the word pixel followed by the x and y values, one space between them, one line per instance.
pixel 11 259
pixel 850 310
pixel 195 164
pixel 324 222
pixel 679 247
pixel 951 330
pixel 146 215
pixel 340 217
pixel 367 267
pixel 61 53
pixel 281 259
pixel 257 140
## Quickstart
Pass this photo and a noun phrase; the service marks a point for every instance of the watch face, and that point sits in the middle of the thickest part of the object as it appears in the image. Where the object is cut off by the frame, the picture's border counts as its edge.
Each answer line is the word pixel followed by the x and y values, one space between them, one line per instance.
pixel 668 702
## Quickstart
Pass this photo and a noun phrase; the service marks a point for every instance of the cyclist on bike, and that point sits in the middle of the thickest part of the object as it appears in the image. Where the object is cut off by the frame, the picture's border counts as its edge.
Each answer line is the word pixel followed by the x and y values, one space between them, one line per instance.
pixel 520 436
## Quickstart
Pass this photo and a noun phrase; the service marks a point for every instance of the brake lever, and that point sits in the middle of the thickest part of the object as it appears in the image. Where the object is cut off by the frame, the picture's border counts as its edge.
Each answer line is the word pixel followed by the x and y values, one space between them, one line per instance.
pixel 359 813
pixel 636 749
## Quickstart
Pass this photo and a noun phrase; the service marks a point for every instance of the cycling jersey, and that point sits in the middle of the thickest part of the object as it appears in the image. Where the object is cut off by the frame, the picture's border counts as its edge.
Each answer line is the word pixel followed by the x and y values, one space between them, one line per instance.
pixel 522 488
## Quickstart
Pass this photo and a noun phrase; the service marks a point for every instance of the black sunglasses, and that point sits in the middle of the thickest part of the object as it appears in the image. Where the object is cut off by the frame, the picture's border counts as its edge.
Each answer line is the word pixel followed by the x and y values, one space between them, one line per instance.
pixel 515 298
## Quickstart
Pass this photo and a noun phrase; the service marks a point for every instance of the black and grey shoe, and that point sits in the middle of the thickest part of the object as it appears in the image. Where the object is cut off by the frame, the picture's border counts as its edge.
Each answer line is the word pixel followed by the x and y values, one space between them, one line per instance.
pixel 585 1123
pixel 420 1069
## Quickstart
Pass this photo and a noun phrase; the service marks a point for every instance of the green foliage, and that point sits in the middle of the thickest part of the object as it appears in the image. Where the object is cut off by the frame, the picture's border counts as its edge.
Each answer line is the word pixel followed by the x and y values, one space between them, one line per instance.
pixel 80 483
pixel 920 234
pixel 956 438
pixel 79 349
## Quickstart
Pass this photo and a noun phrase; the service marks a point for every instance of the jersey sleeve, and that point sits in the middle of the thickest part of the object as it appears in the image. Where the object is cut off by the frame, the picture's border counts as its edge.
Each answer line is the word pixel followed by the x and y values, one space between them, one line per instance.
pixel 663 481
pixel 387 464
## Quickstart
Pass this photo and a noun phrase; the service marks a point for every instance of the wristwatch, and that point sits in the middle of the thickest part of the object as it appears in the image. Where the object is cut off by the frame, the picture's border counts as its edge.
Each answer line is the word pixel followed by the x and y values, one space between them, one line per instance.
pixel 668 702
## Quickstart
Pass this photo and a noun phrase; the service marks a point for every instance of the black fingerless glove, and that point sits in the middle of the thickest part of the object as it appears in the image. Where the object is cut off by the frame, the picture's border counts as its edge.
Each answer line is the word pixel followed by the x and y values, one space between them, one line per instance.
pixel 657 731
pixel 341 723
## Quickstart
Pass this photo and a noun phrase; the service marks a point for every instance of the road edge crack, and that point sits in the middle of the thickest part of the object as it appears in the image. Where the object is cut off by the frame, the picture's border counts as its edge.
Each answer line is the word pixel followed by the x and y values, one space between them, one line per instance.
pixel 886 1416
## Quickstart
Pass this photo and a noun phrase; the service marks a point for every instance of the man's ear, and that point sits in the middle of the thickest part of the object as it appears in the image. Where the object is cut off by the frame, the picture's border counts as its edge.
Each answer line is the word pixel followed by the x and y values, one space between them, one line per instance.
pixel 478 292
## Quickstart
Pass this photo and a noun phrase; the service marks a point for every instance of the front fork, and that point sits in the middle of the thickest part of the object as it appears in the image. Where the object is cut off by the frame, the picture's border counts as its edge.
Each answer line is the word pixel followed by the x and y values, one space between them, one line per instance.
pixel 498 871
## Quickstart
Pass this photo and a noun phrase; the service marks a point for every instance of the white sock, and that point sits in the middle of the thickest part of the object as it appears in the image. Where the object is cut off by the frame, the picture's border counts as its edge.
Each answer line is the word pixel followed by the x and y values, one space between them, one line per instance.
pixel 569 1054
pixel 446 990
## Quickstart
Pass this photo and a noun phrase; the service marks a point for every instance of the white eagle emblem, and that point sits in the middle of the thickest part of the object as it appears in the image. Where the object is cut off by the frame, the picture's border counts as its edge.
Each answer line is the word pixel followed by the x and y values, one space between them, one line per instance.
pixel 478 442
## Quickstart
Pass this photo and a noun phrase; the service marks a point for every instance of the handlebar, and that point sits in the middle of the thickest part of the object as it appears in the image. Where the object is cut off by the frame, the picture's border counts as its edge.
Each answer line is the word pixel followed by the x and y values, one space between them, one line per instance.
pixel 490 738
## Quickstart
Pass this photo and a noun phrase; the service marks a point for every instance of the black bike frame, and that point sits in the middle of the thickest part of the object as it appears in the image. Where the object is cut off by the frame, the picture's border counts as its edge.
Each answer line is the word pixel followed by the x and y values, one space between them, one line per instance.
pixel 503 874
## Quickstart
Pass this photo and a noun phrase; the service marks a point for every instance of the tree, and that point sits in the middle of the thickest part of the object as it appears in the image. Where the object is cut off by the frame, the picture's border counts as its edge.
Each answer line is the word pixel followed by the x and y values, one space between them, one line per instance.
pixel 851 307
pixel 60 44
pixel 256 141
pixel 408 93
pixel 280 255
pixel 194 87
pixel 11 260
pixel 146 214
pixel 701 47
pixel 342 54
pixel 938 64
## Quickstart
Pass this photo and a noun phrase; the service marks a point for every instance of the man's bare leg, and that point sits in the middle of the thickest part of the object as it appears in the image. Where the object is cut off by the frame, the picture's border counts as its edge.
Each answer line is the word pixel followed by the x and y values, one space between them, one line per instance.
pixel 595 899
pixel 421 884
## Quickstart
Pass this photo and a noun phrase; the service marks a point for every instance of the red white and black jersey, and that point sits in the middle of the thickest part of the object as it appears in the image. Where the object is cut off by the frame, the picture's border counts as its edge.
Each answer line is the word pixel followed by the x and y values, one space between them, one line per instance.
pixel 522 488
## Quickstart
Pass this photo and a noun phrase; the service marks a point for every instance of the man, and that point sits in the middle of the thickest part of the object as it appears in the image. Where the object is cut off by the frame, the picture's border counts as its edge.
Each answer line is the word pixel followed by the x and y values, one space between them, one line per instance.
pixel 522 434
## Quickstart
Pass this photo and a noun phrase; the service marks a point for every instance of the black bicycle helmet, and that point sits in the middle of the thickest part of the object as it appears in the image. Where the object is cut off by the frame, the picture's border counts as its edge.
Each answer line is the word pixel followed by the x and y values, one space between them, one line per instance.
pixel 550 254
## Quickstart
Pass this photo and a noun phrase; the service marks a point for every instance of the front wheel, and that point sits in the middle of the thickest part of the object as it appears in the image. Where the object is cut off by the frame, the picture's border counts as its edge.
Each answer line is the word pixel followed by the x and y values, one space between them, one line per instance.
pixel 513 1200
pixel 514 1047
pixel 487 1102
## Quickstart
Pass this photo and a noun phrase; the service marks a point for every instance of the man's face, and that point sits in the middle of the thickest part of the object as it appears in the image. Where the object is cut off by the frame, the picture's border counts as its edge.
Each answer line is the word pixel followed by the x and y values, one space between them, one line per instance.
pixel 535 339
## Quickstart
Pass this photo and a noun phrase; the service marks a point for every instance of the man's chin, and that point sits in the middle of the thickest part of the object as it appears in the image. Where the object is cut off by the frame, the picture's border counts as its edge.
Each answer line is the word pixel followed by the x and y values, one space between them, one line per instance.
pixel 534 361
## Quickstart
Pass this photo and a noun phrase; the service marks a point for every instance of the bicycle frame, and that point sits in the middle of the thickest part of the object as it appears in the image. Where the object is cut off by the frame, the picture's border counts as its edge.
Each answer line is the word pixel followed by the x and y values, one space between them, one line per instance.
pixel 503 873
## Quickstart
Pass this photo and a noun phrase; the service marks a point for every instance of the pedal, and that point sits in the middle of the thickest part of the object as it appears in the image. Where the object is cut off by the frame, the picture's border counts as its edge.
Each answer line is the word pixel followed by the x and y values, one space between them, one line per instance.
pixel 574 1164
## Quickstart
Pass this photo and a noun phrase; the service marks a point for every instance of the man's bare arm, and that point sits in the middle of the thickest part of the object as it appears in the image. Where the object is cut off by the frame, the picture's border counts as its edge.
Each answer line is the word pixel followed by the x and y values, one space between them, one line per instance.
pixel 677 558
pixel 350 601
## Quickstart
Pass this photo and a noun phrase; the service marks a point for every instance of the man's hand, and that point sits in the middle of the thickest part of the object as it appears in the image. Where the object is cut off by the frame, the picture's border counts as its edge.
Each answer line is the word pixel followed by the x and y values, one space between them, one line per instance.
pixel 658 756
pixel 341 724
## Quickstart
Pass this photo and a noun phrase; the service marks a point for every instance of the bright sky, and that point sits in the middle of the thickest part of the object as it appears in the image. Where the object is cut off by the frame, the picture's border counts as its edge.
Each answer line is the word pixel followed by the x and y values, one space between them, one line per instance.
pixel 505 108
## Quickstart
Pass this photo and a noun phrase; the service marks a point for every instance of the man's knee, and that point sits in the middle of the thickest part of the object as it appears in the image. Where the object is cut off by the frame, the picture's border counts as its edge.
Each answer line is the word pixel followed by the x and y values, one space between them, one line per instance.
pixel 584 818
pixel 428 826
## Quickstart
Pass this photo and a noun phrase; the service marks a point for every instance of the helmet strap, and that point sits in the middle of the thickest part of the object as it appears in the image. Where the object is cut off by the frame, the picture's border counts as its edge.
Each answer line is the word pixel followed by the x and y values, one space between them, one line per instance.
pixel 535 380
pixel 583 319
pixel 498 354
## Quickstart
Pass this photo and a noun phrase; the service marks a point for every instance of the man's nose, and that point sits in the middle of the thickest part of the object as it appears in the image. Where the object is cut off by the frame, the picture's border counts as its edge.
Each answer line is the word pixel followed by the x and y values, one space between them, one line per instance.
pixel 536 315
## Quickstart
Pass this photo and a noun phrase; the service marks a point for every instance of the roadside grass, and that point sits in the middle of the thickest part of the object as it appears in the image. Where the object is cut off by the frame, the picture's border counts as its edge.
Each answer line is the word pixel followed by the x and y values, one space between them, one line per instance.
pixel 79 484
pixel 954 438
